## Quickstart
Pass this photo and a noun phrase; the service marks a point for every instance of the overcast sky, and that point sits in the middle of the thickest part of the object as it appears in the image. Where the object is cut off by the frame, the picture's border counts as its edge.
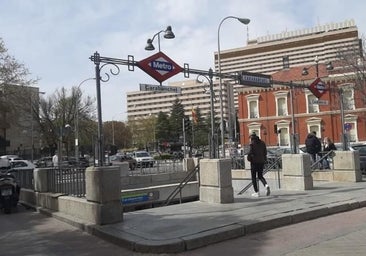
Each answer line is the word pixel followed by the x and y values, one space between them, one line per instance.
pixel 54 39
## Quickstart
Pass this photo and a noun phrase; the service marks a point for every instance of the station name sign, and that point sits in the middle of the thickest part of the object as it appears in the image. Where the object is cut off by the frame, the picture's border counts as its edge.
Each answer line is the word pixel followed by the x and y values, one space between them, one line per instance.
pixel 255 79
pixel 160 88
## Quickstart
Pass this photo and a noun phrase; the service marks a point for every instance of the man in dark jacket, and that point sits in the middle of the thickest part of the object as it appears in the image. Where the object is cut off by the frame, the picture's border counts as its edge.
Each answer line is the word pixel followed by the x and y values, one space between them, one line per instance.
pixel 313 145
pixel 257 157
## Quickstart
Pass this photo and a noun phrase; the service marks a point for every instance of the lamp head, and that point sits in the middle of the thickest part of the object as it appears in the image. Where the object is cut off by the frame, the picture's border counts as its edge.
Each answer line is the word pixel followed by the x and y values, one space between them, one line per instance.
pixel 245 21
pixel 305 72
pixel 149 46
pixel 330 66
pixel 169 33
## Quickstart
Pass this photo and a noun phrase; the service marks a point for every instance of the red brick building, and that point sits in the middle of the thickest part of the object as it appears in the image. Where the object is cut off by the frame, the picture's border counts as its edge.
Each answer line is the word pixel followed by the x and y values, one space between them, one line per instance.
pixel 271 112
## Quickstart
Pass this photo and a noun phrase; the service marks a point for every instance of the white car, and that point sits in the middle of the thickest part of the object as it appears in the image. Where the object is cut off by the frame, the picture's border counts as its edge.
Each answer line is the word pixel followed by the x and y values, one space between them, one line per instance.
pixel 21 165
pixel 143 159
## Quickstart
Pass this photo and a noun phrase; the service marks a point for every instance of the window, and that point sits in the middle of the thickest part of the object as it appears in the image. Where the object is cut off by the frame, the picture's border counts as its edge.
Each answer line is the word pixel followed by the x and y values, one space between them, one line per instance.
pixel 286 62
pixel 350 128
pixel 253 106
pixel 281 103
pixel 311 100
pixel 283 135
pixel 314 125
pixel 348 99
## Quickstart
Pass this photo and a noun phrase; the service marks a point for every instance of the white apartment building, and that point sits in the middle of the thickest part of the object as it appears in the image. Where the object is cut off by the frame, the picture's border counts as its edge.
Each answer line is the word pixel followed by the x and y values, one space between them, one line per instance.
pixel 193 94
pixel 266 54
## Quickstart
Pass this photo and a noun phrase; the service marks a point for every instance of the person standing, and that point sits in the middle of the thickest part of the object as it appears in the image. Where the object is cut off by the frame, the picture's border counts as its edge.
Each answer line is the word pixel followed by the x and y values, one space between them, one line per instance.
pixel 257 157
pixel 55 159
pixel 313 145
pixel 328 146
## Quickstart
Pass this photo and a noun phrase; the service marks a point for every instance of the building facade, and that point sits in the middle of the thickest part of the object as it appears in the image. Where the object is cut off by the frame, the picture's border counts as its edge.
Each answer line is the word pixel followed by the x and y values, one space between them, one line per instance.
pixel 19 129
pixel 273 53
pixel 278 55
pixel 285 114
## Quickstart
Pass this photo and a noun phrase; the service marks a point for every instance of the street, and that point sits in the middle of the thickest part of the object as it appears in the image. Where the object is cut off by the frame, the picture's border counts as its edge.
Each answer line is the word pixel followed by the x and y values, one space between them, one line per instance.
pixel 26 232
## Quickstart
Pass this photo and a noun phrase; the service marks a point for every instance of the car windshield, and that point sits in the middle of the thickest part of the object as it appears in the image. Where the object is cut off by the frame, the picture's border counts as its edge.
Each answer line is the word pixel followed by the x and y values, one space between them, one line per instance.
pixel 142 154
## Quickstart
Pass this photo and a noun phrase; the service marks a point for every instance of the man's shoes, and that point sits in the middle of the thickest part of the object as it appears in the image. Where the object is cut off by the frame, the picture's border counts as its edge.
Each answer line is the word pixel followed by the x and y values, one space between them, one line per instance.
pixel 268 190
pixel 255 194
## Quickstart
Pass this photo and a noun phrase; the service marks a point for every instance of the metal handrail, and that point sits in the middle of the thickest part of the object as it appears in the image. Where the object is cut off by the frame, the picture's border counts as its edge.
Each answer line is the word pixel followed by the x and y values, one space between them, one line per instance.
pixel 320 160
pixel 270 167
pixel 181 185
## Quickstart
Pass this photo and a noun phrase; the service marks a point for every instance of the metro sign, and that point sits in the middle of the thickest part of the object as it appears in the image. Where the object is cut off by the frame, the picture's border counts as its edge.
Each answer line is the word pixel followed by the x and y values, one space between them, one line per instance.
pixel 160 67
pixel 317 88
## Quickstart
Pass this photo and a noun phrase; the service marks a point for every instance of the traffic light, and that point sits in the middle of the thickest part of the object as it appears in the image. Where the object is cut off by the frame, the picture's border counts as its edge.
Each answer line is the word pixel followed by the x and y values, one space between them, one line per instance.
pixel 187 124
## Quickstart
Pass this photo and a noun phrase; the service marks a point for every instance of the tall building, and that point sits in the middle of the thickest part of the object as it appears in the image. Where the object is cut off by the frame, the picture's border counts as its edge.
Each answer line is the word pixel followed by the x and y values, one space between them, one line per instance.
pixel 277 52
pixel 272 53
pixel 19 130
pixel 192 94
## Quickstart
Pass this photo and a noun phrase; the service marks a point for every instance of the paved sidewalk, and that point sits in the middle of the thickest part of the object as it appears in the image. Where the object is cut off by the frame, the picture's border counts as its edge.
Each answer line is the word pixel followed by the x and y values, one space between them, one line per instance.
pixel 182 227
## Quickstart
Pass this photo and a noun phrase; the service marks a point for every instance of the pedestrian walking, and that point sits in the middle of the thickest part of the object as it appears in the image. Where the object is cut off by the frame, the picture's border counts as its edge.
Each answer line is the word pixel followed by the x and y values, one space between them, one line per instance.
pixel 313 145
pixel 257 157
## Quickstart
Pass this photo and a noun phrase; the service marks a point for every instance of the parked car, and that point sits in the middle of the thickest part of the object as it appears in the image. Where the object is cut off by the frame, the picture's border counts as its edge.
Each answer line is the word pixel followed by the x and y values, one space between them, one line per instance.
pixel 361 148
pixel 143 159
pixel 44 162
pixel 21 165
pixel 115 159
pixel 5 160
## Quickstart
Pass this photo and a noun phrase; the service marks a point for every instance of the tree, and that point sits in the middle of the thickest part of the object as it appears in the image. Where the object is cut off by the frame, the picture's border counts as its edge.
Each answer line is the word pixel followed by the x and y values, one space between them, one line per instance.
pixel 62 109
pixel 353 65
pixel 14 92
pixel 162 129
pixel 142 130
pixel 118 134
pixel 175 120
pixel 200 131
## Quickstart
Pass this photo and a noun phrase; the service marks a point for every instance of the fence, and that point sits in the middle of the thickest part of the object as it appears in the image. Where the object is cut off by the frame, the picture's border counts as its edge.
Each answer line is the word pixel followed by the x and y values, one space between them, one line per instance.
pixel 66 180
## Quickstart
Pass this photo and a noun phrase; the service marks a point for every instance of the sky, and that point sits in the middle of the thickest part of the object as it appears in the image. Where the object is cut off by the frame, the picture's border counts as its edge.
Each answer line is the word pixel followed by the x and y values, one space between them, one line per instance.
pixel 55 38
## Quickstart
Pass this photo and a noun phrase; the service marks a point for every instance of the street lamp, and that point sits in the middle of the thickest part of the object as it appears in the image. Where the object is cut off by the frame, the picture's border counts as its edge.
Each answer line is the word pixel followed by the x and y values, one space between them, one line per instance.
pixel 212 138
pixel 245 22
pixel 62 131
pixel 305 71
pixel 77 120
pixel 168 35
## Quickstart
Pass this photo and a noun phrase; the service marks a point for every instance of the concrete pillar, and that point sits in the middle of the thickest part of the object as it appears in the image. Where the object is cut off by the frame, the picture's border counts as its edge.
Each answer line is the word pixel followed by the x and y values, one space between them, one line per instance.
pixel 103 187
pixel 40 180
pixel 296 172
pixel 188 164
pixel 347 166
pixel 216 181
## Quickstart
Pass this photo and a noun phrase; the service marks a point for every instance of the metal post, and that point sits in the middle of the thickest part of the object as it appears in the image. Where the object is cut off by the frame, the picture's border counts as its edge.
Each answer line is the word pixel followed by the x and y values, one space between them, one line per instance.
pixel 343 135
pixel 99 107
pixel 184 137
pixel 32 127
pixel 294 142
pixel 212 151
pixel 220 91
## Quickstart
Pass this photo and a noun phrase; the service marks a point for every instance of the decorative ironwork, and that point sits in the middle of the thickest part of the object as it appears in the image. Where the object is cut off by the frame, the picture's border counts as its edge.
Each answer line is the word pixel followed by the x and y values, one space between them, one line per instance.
pixel 113 71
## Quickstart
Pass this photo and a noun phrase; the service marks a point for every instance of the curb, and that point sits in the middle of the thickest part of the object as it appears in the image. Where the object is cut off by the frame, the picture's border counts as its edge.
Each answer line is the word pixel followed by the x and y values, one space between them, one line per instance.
pixel 206 237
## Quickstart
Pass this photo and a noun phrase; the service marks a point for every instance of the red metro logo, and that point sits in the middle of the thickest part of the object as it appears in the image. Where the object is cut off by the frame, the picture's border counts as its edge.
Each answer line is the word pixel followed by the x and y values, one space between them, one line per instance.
pixel 160 67
pixel 317 88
